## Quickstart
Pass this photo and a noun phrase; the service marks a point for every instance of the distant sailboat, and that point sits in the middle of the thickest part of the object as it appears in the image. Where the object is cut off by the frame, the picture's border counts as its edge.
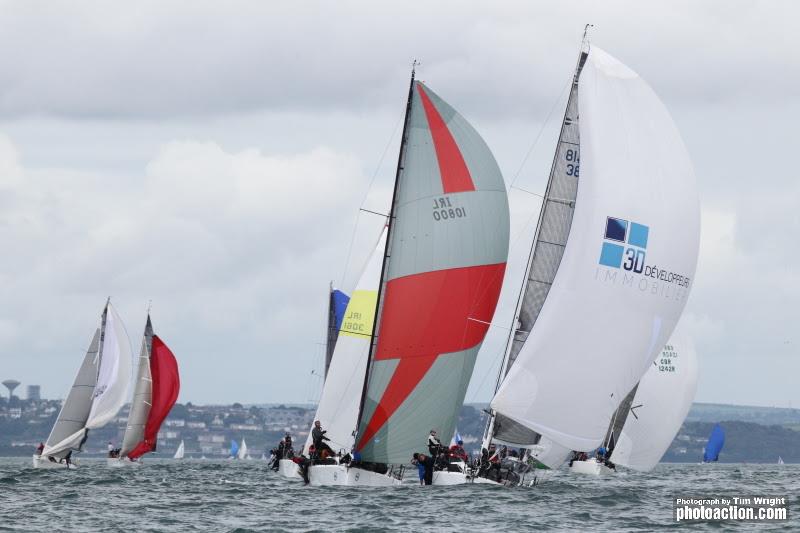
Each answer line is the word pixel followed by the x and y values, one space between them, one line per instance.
pixel 234 454
pixel 614 254
pixel 179 452
pixel 780 460
pixel 97 394
pixel 714 446
pixel 157 388
pixel 242 454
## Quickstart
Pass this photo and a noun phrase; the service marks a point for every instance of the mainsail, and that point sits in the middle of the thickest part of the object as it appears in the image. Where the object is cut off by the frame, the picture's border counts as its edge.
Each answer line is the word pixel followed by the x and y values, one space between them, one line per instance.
pixel 142 395
pixel 443 268
pixel 549 242
pixel 626 270
pixel 164 389
pixel 179 452
pixel 69 430
pixel 341 394
pixel 659 407
pixel 337 305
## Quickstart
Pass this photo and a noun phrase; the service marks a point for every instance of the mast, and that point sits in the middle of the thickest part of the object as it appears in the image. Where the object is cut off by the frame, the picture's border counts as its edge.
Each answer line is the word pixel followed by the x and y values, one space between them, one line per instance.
pixel 389 226
pixel 515 325
pixel 99 362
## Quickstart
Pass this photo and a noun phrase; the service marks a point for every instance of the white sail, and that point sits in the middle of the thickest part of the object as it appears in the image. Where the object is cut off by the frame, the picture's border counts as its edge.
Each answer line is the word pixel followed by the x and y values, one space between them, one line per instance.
pixel 243 450
pixel 659 406
pixel 627 267
pixel 341 394
pixel 179 452
pixel 142 395
pixel 113 380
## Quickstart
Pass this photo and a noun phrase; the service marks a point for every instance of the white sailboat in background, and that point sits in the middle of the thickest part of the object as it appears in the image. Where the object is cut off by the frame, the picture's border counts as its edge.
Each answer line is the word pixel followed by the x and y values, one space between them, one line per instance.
pixel 243 451
pixel 179 452
pixel 613 258
pixel 98 393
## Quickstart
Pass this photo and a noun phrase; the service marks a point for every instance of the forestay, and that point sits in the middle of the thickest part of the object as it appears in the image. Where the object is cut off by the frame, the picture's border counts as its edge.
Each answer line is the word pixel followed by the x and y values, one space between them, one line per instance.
pixel 444 266
pixel 341 393
pixel 660 406
pixel 627 268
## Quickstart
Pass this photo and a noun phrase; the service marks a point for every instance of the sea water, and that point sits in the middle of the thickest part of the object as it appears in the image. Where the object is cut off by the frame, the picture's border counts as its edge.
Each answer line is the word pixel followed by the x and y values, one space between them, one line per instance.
pixel 204 495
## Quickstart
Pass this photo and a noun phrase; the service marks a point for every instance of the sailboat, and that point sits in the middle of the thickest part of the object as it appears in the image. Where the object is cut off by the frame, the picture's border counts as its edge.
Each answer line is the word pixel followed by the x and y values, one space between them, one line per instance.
pixel 156 391
pixel 610 268
pixel 97 394
pixel 438 281
pixel 234 453
pixel 649 418
pixel 179 452
pixel 338 303
pixel 242 454
pixel 780 460
pixel 714 445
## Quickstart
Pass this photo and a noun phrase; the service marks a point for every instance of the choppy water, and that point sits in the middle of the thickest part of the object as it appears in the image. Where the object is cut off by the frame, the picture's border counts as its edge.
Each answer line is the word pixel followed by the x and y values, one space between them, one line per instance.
pixel 195 495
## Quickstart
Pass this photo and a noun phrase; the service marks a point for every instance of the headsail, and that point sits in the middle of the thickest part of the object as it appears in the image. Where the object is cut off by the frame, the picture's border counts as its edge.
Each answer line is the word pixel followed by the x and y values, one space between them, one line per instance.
pixel 341 394
pixel 337 305
pixel 626 270
pixel 165 386
pixel 69 430
pixel 113 379
pixel 661 403
pixel 443 269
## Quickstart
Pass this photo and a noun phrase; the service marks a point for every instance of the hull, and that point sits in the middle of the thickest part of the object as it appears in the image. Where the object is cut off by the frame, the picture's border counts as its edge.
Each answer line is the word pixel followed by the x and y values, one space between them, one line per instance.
pixel 590 467
pixel 450 478
pixel 45 463
pixel 121 463
pixel 341 475
pixel 289 469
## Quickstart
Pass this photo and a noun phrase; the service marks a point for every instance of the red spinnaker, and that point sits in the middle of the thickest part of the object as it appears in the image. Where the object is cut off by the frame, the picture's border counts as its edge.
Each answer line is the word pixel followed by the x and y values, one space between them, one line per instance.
pixel 166 385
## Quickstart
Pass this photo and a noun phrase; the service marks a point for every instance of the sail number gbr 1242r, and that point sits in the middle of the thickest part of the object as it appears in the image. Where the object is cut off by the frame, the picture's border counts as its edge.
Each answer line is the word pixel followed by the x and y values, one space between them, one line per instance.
pixel 443 209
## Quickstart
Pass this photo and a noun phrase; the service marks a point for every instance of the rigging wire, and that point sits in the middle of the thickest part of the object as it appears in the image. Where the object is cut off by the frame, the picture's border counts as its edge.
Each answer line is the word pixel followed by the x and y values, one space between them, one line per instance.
pixel 366 195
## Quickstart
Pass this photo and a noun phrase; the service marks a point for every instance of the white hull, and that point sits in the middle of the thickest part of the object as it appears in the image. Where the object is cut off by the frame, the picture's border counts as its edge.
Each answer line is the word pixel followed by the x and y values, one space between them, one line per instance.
pixel 590 467
pixel 289 469
pixel 450 478
pixel 43 462
pixel 121 462
pixel 341 475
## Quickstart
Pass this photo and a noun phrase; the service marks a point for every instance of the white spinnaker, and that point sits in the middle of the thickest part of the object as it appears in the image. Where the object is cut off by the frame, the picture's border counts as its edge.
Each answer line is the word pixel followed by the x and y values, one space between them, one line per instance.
pixel 114 377
pixel 601 327
pixel 661 404
pixel 341 394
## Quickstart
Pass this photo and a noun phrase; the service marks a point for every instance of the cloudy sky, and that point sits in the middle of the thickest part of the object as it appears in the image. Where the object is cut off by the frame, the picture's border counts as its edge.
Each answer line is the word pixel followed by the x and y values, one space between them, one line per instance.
pixel 212 158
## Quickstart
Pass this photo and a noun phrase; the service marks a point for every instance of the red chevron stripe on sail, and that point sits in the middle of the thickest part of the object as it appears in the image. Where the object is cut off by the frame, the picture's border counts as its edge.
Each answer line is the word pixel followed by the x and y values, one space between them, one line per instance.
pixel 453 169
pixel 424 316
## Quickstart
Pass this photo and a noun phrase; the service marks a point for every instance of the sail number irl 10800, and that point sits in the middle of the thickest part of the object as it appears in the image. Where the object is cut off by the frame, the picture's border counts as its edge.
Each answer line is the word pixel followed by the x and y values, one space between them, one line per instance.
pixel 443 209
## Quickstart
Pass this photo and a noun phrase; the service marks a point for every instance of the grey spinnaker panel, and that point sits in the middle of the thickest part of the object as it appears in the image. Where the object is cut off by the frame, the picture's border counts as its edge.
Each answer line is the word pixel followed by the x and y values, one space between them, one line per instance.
pixel 75 411
pixel 620 416
pixel 142 395
pixel 333 332
pixel 434 404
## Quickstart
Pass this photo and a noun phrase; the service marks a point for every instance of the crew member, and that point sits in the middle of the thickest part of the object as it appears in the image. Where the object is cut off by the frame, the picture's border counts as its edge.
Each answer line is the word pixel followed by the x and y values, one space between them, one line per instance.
pixel 319 438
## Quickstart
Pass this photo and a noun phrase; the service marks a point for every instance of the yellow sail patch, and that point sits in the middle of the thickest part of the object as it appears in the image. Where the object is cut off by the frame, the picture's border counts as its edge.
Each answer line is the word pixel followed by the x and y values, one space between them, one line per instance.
pixel 359 316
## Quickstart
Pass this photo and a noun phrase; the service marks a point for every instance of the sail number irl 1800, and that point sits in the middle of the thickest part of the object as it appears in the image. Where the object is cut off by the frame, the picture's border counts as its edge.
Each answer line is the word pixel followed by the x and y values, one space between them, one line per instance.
pixel 443 209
